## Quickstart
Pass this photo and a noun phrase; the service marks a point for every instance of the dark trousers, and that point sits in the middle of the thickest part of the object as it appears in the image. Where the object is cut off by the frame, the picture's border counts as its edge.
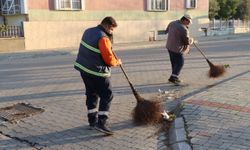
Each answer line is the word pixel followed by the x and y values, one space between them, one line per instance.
pixel 177 62
pixel 97 87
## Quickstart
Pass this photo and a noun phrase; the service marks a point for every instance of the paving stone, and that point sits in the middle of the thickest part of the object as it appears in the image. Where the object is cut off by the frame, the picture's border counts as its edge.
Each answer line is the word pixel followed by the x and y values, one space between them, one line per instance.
pixel 48 80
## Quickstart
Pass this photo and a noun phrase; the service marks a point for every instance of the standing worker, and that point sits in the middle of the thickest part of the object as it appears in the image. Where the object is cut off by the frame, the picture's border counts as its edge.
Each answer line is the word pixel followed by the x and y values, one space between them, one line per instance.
pixel 178 44
pixel 94 59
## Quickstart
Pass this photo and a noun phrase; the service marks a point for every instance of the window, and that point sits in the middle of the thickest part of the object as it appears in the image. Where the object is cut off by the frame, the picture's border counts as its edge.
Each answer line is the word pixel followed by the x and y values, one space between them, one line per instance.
pixel 69 4
pixel 12 7
pixel 191 3
pixel 158 5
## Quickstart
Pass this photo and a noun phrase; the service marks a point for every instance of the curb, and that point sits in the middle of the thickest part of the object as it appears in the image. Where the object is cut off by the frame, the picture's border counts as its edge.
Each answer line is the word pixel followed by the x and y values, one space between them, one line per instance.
pixel 162 43
pixel 132 45
pixel 177 136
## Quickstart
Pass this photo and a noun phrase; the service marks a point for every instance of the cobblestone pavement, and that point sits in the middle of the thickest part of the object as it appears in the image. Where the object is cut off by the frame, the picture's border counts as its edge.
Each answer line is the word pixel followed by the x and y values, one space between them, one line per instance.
pixel 218 118
pixel 47 80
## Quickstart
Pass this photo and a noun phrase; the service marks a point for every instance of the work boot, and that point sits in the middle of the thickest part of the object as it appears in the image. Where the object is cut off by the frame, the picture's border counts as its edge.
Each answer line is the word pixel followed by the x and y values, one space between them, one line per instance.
pixel 174 80
pixel 92 118
pixel 102 125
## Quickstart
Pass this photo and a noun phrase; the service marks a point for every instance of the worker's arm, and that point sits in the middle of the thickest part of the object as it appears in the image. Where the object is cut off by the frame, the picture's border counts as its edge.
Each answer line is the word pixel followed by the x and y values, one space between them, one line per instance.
pixel 185 36
pixel 187 42
pixel 105 47
pixel 167 29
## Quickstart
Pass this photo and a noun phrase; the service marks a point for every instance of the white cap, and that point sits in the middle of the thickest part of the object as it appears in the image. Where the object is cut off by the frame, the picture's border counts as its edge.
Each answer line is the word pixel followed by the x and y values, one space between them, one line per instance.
pixel 187 16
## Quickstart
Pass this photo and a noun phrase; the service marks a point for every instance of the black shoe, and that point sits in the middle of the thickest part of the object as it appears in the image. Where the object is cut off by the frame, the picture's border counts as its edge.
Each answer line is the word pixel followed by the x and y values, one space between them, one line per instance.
pixel 175 80
pixel 104 129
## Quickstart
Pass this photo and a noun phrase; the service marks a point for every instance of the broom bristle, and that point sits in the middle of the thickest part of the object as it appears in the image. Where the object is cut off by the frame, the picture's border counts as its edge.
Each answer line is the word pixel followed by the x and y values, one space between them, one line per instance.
pixel 216 71
pixel 147 112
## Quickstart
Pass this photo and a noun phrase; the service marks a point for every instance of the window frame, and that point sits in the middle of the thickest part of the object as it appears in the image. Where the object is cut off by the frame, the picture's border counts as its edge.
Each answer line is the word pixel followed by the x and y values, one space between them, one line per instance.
pixel 58 5
pixel 152 5
pixel 14 7
pixel 191 4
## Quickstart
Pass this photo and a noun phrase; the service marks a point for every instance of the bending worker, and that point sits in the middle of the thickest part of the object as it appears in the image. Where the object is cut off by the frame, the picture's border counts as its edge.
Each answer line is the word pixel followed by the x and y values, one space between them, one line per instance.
pixel 94 59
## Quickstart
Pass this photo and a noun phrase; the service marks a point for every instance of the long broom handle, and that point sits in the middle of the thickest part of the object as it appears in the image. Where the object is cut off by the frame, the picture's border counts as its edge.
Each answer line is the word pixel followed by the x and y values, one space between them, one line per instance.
pixel 130 84
pixel 200 51
pixel 209 62
pixel 125 74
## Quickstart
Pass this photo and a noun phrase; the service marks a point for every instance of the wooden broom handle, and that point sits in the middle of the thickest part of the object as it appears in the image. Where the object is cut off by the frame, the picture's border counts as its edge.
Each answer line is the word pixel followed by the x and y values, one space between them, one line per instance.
pixel 125 74
pixel 200 50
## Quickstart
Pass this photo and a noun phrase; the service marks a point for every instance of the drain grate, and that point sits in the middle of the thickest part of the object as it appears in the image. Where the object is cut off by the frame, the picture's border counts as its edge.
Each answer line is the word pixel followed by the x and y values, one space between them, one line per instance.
pixel 18 111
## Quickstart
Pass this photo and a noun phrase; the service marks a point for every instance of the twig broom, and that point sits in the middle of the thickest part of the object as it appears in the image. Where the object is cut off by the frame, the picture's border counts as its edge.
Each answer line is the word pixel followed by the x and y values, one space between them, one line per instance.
pixel 145 111
pixel 215 70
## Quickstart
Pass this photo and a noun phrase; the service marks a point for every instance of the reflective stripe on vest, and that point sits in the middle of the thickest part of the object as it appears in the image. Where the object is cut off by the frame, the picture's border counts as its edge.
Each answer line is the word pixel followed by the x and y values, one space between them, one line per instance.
pixel 92 72
pixel 90 47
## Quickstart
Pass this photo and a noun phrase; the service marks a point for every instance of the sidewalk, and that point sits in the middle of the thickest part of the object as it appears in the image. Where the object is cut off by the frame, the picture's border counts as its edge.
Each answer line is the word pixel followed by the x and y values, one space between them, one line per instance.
pixel 218 118
pixel 135 45
pixel 47 80
pixel 214 118
pixel 155 44
pixel 117 47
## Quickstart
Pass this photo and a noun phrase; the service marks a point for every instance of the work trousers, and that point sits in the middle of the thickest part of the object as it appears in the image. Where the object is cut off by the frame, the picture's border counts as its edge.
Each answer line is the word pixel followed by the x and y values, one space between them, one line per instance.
pixel 177 62
pixel 97 87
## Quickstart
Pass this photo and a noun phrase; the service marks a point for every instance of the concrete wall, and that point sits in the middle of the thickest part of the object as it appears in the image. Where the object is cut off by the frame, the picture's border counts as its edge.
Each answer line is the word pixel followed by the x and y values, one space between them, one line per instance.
pixel 47 35
pixel 63 34
pixel 41 4
pixel 226 31
pixel 93 4
pixel 177 5
pixel 241 29
pixel 115 5
pixel 11 44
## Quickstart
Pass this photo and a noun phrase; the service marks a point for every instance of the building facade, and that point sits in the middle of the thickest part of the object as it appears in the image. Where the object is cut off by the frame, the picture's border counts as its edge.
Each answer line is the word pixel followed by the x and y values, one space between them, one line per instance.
pixel 49 24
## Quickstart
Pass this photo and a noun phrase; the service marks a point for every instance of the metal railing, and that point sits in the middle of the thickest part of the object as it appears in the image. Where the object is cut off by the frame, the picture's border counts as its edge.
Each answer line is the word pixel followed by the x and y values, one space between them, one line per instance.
pixel 224 24
pixel 7 31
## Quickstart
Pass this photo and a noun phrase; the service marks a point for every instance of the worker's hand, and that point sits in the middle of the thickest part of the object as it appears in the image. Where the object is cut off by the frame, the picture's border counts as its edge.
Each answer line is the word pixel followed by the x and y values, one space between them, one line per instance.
pixel 186 50
pixel 119 62
pixel 191 41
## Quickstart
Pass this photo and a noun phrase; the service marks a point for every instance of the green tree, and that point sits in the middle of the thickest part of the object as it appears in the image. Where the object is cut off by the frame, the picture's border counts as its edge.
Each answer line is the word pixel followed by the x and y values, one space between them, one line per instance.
pixel 243 10
pixel 227 8
pixel 213 9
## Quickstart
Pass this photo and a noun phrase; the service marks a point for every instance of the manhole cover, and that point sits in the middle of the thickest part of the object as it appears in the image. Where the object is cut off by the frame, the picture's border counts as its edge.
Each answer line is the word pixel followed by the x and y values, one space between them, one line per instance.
pixel 18 111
